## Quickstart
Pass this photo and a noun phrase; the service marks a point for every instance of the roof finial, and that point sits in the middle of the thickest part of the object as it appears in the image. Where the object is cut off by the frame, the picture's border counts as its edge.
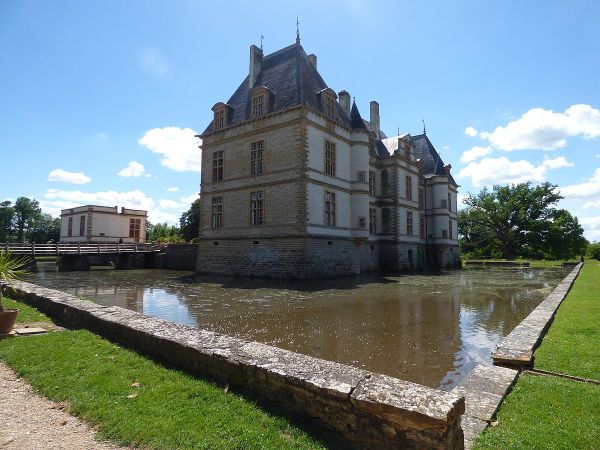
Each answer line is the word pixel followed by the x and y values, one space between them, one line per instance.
pixel 297 31
pixel 424 130
pixel 261 41
pixel 398 129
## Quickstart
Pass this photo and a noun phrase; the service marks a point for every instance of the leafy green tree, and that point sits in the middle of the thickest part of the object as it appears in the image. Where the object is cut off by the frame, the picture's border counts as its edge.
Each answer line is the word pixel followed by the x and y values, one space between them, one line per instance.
pixel 27 212
pixel 7 214
pixel 44 229
pixel 593 250
pixel 189 222
pixel 519 220
pixel 163 232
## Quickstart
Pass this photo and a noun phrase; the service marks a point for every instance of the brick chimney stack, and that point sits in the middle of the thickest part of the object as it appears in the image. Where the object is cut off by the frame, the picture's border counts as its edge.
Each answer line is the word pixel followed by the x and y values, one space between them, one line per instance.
pixel 344 99
pixel 256 59
pixel 374 119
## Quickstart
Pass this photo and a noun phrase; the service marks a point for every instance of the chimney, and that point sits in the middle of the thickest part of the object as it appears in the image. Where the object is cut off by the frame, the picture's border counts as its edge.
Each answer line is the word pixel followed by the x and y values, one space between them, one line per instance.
pixel 374 119
pixel 256 59
pixel 447 168
pixel 313 59
pixel 344 99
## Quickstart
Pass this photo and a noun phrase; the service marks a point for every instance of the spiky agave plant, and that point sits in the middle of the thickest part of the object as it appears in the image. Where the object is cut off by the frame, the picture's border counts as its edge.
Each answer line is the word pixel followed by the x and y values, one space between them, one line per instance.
pixel 11 269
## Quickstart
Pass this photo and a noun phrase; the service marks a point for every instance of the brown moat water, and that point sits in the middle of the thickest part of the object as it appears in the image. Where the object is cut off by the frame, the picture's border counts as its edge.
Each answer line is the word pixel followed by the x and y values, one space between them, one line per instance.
pixel 430 329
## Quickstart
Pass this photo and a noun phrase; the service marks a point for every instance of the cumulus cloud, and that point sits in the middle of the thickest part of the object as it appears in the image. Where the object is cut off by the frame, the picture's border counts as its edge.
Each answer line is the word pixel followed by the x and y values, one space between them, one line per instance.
pixel 470 131
pixel 178 147
pixel 173 189
pixel 475 153
pixel 68 177
pixel 501 170
pixel 557 163
pixel 154 62
pixel 592 227
pixel 589 189
pixel 133 169
pixel 545 129
pixel 169 204
pixel 189 199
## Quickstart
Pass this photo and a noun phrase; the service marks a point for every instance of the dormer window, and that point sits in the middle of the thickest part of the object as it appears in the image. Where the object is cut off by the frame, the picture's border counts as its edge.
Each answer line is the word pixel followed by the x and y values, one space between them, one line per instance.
pixel 329 107
pixel 258 105
pixel 222 113
pixel 219 119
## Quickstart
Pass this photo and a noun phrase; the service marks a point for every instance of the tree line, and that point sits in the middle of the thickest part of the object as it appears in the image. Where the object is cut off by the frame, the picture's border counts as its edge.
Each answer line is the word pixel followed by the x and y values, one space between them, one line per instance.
pixel 25 222
pixel 519 221
pixel 188 229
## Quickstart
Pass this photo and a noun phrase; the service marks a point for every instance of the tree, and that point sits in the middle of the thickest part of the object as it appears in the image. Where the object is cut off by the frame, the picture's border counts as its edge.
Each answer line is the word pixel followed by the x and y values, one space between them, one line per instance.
pixel 27 212
pixel 163 232
pixel 189 222
pixel 519 220
pixel 7 214
pixel 44 229
pixel 593 250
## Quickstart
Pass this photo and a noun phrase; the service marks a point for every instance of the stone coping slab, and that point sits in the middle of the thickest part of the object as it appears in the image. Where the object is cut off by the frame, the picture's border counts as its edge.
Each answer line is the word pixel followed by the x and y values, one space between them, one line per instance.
pixel 367 410
pixel 517 349
pixel 483 389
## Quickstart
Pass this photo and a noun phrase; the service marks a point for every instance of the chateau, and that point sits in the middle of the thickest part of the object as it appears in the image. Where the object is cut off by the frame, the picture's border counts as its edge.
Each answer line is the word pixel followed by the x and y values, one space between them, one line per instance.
pixel 295 183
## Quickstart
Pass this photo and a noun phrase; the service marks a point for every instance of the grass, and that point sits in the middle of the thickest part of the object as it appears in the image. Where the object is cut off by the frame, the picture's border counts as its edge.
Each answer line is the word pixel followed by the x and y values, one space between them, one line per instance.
pixel 135 401
pixel 546 413
pixel 27 314
pixel 572 345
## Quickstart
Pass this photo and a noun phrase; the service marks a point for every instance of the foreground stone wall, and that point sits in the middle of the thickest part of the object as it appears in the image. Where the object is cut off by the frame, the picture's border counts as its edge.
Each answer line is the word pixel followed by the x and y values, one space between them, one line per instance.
pixel 368 410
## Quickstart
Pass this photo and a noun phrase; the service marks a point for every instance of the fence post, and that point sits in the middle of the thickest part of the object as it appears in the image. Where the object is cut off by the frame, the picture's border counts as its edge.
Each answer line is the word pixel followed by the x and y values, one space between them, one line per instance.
pixel 79 248
pixel 118 248
pixel 98 247
pixel 32 249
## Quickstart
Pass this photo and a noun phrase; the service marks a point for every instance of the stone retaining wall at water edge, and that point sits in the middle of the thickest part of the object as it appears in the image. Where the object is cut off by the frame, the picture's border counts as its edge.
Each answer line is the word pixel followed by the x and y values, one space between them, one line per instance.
pixel 516 350
pixel 367 410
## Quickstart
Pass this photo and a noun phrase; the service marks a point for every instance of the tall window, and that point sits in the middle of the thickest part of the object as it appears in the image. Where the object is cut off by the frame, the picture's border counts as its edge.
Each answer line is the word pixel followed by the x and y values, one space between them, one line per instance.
pixel 422 227
pixel 371 183
pixel 330 209
pixel 217 212
pixel 362 222
pixel 70 227
pixel 81 225
pixel 372 220
pixel 409 223
pixel 135 225
pixel 421 199
pixel 329 106
pixel 329 158
pixel 256 156
pixel 219 119
pixel 258 105
pixel 362 176
pixel 445 234
pixel 449 229
pixel 218 165
pixel 449 201
pixel 256 208
pixel 408 188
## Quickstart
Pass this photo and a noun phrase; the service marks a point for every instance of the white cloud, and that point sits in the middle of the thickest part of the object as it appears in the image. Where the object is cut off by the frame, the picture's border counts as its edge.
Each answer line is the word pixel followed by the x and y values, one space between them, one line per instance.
pixel 133 169
pixel 173 189
pixel 178 147
pixel 470 131
pixel 102 136
pixel 557 163
pixel 545 129
pixel 189 199
pixel 586 190
pixel 592 205
pixel 68 177
pixel 501 170
pixel 169 204
pixel 591 226
pixel 154 62
pixel 475 153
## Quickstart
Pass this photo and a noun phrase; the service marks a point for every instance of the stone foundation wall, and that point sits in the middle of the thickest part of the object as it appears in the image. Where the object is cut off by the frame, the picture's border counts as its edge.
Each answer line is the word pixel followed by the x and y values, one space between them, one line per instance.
pixel 367 410
pixel 178 257
pixel 301 258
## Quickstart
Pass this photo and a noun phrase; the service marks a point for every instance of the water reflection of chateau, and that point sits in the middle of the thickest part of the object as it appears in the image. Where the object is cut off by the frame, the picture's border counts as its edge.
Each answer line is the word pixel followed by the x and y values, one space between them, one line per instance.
pixel 129 298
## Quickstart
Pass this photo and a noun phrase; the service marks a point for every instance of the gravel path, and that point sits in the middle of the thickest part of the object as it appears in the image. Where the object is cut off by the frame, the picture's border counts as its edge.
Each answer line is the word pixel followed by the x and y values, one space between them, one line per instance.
pixel 29 421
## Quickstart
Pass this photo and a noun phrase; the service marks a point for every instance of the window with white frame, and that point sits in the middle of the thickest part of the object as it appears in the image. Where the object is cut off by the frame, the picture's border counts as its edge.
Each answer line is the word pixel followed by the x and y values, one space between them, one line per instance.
pixel 330 209
pixel 256 157
pixel 330 158
pixel 256 208
pixel 217 212
pixel 409 223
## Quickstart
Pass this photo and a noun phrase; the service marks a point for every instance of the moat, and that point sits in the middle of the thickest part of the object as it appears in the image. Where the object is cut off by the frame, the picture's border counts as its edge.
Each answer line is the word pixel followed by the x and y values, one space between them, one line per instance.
pixel 430 329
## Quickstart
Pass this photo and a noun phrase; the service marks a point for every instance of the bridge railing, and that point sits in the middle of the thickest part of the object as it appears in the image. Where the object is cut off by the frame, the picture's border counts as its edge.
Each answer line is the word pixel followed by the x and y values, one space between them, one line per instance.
pixel 78 248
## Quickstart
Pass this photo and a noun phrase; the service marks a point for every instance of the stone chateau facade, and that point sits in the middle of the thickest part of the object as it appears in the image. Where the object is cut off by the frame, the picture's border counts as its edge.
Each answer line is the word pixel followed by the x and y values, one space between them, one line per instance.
pixel 295 183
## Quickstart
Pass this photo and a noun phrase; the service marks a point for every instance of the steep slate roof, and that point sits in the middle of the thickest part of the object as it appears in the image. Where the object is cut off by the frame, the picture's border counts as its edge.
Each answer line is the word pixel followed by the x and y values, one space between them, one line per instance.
pixel 426 152
pixel 292 78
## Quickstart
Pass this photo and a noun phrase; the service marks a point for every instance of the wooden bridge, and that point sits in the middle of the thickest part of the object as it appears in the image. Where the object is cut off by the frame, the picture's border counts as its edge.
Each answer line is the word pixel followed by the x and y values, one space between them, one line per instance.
pixel 80 248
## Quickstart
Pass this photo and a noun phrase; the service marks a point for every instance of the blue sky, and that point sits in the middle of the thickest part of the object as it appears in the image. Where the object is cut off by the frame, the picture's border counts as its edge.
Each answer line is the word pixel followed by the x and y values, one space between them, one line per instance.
pixel 99 101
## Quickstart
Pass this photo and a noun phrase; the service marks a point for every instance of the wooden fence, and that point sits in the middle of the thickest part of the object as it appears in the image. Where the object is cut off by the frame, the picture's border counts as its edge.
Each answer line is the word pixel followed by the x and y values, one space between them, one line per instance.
pixel 79 248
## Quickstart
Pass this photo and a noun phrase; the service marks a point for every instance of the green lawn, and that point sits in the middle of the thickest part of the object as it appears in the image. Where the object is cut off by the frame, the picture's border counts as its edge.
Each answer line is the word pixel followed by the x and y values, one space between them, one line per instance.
pixel 552 412
pixel 572 345
pixel 27 314
pixel 135 401
pixel 546 413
